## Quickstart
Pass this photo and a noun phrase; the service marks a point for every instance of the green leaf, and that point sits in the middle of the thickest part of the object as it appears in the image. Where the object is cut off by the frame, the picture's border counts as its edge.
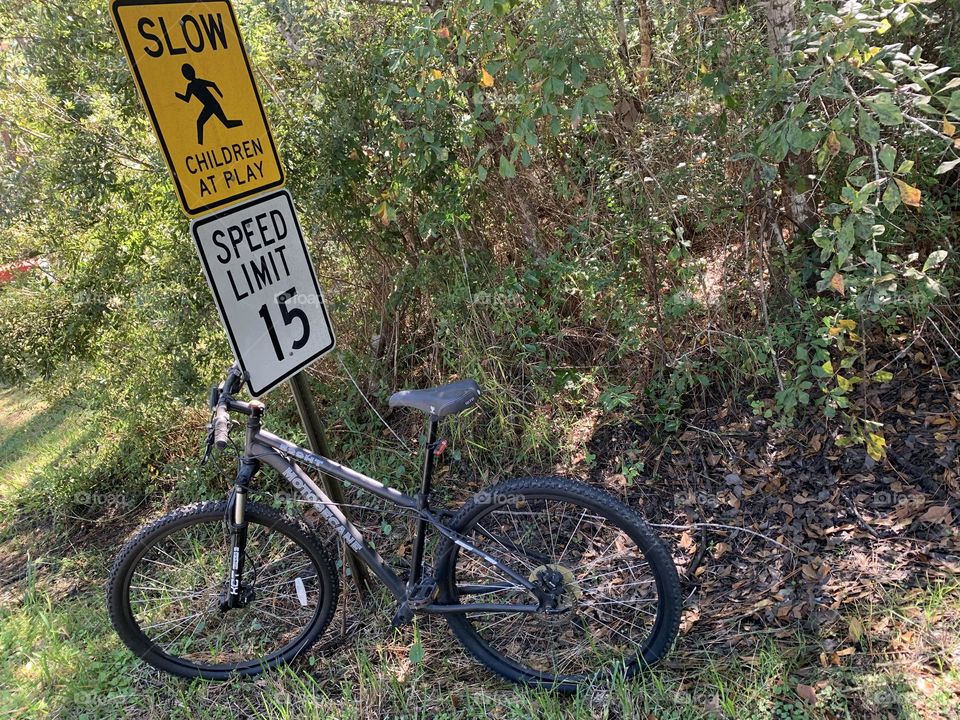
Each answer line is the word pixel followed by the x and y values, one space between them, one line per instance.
pixel 946 166
pixel 846 144
pixel 953 106
pixel 891 197
pixel 577 75
pixel 934 259
pixel 905 167
pixel 883 376
pixel 417 653
pixel 506 168
pixel 868 128
pixel 887 111
pixel 888 155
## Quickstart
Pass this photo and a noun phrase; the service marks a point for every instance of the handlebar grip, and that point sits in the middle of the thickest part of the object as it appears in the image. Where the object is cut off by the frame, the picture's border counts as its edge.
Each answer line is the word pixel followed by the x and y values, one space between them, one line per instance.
pixel 221 426
pixel 234 381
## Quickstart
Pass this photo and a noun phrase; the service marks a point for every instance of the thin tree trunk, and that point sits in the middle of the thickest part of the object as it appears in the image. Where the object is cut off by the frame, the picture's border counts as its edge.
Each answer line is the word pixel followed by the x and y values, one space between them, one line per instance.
pixel 646 42
pixel 781 21
pixel 622 48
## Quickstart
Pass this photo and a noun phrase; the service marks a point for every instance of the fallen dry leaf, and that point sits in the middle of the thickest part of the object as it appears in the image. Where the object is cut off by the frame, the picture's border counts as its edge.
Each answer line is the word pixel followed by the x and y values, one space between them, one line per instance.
pixel 807 693
pixel 937 514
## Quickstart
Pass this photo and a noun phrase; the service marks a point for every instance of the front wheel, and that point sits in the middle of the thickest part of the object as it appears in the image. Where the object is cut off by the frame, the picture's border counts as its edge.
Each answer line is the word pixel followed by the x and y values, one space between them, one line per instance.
pixel 166 586
pixel 614 595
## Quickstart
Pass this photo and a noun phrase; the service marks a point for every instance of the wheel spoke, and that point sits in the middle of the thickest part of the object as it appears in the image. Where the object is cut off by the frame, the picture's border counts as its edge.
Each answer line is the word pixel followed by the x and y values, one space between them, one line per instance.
pixel 175 590
pixel 605 593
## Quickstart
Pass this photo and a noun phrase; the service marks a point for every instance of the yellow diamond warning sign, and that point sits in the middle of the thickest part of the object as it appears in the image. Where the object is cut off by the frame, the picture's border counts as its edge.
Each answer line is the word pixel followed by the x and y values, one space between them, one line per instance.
pixel 197 85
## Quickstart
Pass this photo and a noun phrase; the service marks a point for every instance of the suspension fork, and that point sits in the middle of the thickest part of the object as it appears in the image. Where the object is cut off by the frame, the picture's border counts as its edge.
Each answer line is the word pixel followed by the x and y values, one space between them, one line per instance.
pixel 236 520
pixel 237 595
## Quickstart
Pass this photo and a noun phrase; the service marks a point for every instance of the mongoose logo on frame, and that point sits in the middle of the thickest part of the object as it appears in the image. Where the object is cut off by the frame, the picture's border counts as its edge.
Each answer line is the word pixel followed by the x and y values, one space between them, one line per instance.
pixel 197 85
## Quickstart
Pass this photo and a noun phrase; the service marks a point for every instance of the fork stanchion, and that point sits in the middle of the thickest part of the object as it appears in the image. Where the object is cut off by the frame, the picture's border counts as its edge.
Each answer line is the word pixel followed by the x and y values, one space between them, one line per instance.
pixel 318 443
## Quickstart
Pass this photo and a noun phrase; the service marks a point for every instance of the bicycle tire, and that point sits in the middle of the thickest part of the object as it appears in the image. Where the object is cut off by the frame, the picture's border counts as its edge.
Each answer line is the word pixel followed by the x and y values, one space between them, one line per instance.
pixel 151 535
pixel 545 489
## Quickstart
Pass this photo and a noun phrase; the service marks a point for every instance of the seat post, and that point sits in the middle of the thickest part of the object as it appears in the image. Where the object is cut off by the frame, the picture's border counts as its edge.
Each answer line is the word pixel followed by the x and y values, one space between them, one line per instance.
pixel 416 557
pixel 432 423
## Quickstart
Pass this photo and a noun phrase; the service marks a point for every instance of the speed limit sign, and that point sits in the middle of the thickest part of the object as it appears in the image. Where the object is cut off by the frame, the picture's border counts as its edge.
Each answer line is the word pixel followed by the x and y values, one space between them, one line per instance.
pixel 257 265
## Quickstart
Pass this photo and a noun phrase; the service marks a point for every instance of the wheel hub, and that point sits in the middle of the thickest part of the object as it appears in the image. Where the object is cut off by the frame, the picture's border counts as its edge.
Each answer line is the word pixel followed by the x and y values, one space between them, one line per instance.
pixel 244 597
pixel 558 585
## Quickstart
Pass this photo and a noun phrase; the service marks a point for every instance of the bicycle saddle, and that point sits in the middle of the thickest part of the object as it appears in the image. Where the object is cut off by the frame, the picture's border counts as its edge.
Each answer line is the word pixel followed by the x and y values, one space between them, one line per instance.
pixel 439 401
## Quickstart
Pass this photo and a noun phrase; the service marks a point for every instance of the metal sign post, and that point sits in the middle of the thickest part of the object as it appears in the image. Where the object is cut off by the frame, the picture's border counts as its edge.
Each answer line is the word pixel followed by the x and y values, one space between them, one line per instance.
pixel 317 440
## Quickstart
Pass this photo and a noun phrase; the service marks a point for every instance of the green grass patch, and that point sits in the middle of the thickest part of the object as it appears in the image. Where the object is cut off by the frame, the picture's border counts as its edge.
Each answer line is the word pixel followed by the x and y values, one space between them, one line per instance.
pixel 39 442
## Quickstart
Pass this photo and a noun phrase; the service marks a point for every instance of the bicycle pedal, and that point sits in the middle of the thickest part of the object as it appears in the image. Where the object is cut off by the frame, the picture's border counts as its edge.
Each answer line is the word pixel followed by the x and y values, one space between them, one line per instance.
pixel 402 616
pixel 422 594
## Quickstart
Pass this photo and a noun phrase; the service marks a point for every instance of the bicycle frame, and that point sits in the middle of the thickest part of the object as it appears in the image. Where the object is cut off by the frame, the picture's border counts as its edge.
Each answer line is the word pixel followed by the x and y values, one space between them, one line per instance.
pixel 262 447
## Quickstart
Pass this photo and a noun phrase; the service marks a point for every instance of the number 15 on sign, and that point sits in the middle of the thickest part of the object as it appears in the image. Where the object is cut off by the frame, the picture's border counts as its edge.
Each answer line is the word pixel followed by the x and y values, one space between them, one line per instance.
pixel 257 265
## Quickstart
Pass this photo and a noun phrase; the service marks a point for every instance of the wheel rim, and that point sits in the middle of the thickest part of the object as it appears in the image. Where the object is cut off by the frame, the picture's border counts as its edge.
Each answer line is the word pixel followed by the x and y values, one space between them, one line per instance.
pixel 175 584
pixel 608 598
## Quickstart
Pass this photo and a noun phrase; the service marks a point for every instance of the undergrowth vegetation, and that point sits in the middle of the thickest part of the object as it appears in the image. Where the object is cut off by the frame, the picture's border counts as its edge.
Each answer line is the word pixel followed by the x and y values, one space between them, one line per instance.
pixel 586 209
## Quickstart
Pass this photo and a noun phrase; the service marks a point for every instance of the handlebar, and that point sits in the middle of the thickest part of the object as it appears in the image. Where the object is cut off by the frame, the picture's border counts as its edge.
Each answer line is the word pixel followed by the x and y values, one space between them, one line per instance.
pixel 223 396
pixel 221 425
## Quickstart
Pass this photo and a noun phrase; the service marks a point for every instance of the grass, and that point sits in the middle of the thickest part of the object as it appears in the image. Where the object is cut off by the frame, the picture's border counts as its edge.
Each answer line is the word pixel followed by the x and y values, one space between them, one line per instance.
pixel 37 439
pixel 61 658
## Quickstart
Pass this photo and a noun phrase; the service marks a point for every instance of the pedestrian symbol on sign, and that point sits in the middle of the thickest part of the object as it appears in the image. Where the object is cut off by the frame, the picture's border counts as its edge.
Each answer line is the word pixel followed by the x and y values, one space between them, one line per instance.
pixel 200 89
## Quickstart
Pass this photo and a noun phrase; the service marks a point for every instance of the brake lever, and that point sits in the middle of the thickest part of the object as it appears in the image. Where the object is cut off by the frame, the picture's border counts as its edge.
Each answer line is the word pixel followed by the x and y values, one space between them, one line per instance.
pixel 209 443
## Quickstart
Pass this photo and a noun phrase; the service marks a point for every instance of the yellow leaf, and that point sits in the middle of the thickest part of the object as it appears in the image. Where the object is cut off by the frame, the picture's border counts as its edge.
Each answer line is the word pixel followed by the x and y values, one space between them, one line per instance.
pixel 827 367
pixel 384 214
pixel 834 331
pixel 436 74
pixel 856 629
pixel 833 144
pixel 908 193
pixel 876 446
pixel 884 26
pixel 486 79
pixel 836 282
pixel 870 54
pixel 443 33
pixel 843 383
pixel 948 128
pixel 847 324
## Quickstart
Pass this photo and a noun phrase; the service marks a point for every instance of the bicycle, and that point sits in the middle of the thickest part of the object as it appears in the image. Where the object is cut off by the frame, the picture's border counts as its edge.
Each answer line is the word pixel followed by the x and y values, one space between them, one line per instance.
pixel 545 580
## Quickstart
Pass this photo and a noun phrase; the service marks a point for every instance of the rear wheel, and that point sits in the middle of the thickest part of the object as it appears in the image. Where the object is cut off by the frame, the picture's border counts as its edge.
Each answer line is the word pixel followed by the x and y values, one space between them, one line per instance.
pixel 614 592
pixel 165 590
